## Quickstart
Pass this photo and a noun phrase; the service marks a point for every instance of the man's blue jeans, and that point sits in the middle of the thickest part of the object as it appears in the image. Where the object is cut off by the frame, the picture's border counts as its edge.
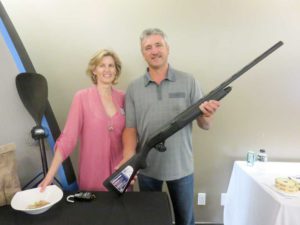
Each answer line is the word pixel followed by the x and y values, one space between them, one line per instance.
pixel 181 192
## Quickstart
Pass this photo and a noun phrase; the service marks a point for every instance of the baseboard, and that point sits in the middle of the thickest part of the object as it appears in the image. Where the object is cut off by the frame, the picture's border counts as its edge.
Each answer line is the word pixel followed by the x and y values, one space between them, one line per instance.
pixel 208 223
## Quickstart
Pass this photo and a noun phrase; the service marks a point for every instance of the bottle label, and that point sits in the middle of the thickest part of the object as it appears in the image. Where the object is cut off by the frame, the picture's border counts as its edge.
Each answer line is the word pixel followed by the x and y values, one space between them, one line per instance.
pixel 121 180
pixel 262 157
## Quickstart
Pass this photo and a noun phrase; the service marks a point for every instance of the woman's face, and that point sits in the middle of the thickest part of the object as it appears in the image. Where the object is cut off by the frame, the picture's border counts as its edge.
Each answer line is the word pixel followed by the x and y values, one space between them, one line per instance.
pixel 106 70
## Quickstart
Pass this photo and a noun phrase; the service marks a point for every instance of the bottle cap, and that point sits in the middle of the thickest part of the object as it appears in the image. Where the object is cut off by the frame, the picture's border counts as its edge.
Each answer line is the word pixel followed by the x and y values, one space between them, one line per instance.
pixel 262 150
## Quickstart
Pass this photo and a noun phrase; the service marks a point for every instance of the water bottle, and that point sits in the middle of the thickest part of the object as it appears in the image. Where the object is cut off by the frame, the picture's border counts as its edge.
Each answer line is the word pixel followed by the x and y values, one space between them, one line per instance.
pixel 262 156
pixel 251 157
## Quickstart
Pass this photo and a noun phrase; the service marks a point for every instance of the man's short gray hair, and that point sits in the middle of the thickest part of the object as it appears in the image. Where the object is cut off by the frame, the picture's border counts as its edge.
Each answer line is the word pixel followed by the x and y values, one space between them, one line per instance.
pixel 152 31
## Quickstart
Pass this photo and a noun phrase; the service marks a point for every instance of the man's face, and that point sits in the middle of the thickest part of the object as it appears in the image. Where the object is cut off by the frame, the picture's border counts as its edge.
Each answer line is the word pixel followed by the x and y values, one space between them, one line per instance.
pixel 155 51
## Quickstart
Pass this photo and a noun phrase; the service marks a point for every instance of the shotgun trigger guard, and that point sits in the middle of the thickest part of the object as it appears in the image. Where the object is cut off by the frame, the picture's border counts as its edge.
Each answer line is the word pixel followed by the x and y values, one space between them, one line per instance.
pixel 160 147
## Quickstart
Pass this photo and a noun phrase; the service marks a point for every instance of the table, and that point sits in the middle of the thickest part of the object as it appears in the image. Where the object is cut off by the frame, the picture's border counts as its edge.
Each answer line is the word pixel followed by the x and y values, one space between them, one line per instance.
pixel 132 208
pixel 252 198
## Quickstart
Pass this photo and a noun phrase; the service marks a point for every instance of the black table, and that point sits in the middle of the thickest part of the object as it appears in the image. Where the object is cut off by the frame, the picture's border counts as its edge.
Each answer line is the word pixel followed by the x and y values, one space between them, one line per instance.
pixel 132 208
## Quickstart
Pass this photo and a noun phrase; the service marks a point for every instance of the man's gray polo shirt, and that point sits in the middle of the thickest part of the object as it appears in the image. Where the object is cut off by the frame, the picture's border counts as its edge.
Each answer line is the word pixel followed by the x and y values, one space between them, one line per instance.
pixel 149 107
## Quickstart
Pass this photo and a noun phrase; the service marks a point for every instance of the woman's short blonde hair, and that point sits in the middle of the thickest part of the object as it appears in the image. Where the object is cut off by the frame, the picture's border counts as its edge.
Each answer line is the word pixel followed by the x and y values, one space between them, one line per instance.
pixel 97 58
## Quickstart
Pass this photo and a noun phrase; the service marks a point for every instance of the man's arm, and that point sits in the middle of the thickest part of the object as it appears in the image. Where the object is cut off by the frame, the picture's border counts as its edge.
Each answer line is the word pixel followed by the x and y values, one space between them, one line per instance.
pixel 129 142
pixel 208 108
pixel 129 138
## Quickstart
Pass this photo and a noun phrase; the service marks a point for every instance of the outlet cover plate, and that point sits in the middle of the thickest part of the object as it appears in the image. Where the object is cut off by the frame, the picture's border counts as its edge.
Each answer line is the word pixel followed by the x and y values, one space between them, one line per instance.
pixel 201 198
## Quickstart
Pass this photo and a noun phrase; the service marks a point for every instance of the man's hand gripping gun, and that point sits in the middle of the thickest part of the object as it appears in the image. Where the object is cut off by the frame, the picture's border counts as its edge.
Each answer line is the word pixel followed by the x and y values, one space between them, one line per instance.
pixel 121 178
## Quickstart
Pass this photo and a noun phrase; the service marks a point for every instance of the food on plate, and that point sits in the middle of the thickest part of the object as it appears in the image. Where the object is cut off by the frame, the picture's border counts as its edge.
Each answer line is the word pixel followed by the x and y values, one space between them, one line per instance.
pixel 286 184
pixel 38 204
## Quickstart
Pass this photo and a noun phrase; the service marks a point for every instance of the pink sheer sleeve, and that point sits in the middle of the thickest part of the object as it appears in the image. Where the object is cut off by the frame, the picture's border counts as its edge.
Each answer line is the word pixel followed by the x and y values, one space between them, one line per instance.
pixel 72 130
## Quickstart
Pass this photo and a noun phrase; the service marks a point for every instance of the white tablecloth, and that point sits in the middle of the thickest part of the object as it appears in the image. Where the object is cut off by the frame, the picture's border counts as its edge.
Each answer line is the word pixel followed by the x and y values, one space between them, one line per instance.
pixel 252 198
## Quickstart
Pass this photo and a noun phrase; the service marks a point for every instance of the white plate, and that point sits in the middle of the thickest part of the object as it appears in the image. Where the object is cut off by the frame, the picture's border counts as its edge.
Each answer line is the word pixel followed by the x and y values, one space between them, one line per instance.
pixel 23 199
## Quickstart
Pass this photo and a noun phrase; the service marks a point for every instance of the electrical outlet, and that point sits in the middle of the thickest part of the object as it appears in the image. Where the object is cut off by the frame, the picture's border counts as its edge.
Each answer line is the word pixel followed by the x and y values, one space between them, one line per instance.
pixel 201 198
pixel 223 199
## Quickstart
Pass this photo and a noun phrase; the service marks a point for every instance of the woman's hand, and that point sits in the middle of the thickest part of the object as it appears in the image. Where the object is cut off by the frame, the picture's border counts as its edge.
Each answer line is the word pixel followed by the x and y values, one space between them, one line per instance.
pixel 45 182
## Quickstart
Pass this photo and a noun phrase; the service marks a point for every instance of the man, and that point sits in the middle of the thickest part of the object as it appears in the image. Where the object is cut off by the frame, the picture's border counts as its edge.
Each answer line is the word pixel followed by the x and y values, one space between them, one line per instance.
pixel 151 101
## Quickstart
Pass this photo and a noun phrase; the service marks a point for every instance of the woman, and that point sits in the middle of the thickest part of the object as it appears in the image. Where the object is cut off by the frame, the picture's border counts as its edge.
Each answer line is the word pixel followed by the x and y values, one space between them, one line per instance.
pixel 96 119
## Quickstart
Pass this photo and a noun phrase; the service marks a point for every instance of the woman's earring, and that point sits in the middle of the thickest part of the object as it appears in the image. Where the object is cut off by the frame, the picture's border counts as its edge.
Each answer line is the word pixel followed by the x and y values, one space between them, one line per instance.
pixel 94 77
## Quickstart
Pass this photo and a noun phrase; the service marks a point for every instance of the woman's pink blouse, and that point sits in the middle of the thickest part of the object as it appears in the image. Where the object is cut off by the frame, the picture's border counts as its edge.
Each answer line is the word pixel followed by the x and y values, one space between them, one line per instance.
pixel 99 135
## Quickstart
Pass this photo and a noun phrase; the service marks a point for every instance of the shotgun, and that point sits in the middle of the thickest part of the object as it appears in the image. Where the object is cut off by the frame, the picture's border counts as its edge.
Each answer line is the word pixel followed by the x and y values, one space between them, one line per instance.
pixel 121 178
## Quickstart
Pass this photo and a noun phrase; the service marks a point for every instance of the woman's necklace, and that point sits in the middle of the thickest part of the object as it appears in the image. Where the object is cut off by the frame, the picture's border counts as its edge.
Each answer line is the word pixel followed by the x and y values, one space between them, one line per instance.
pixel 110 125
pixel 109 108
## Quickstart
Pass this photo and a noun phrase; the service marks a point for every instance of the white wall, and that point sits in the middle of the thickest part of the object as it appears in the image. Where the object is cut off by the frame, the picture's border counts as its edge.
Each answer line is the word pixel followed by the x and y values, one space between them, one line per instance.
pixel 211 39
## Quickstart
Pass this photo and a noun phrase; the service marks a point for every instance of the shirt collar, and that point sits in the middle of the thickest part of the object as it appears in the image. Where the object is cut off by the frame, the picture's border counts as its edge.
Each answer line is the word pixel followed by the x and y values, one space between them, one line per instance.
pixel 170 76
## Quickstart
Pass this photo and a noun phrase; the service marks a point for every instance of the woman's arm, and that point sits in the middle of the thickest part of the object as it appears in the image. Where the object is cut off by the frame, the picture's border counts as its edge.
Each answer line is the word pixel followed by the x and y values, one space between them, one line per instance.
pixel 56 162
